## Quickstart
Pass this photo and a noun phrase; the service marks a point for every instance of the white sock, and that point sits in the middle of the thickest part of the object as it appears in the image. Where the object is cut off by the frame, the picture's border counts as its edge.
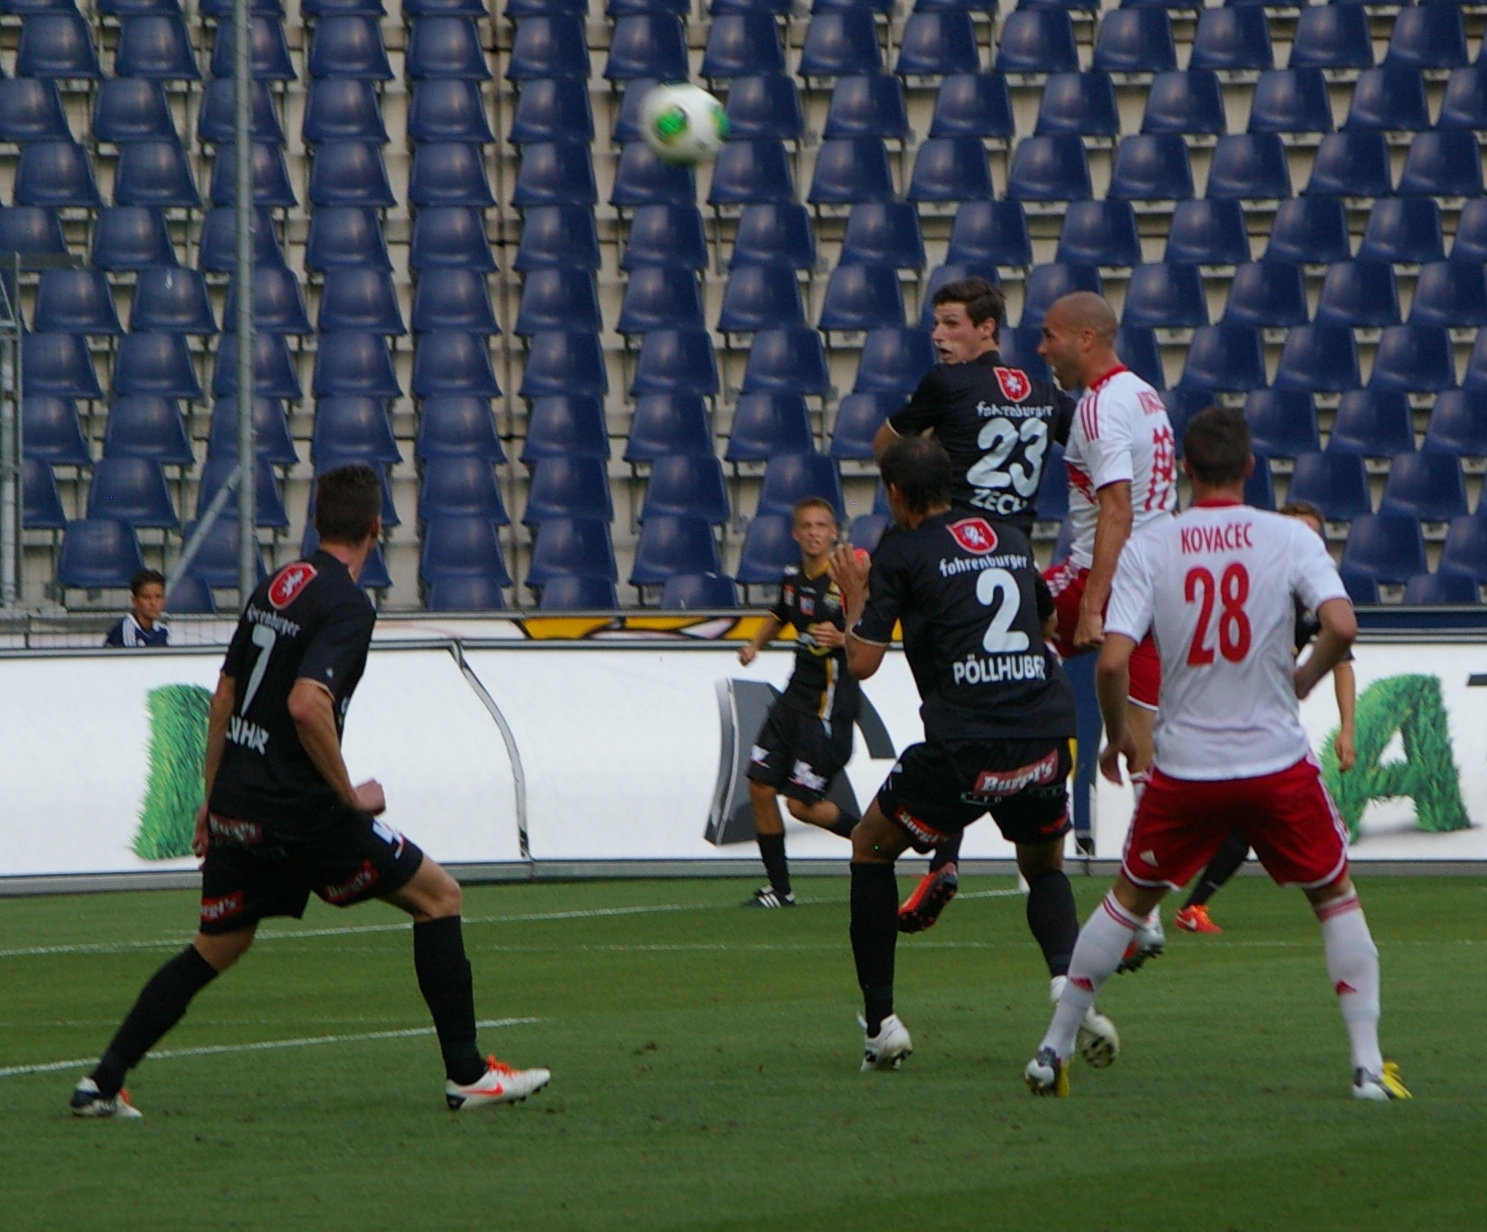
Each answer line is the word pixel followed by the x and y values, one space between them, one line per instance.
pixel 1353 968
pixel 1101 945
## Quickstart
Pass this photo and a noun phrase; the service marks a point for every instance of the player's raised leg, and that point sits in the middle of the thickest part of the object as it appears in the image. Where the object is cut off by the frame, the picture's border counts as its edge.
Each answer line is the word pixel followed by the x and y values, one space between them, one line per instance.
pixel 876 845
pixel 934 891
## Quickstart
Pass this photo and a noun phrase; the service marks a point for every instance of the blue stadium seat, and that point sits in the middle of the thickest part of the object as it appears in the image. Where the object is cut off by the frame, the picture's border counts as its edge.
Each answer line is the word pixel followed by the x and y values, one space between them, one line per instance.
pixel 643 179
pixel 1465 548
pixel 107 8
pixel 271 439
pixel 1249 166
pixel 346 236
pixel 269 508
pixel 447 173
pixel 269 50
pixel 171 300
pixel 674 545
pixel 374 575
pixel 1138 350
pixel 870 105
pixel 1135 41
pixel 75 301
pixel 158 364
pixel 465 593
pixel 222 9
pixel 563 487
pixel 1322 358
pixel 55 174
pixel 458 426
pixel 780 8
pixel 990 233
pixel 57 44
pixel 52 432
pixel 786 361
pixel 1334 482
pixel 1046 283
pixel 768 547
pixel 1384 547
pixel 743 44
pixel 790 477
pixel 218 250
pixel 450 47
pixel 552 236
pixel 1226 356
pixel 41 503
pixel 858 418
pixel 862 297
pixel 452 362
pixel 1352 164
pixel 577 593
pixel 760 297
pixel 1164 296
pixel 1232 40
pixel 627 125
pixel 686 484
pixel 1037 41
pixel 937 44
pixel 1185 103
pixel 461 488
pixel 133 491
pixel 564 362
pixel 660 297
pixel 767 424
pixel 1078 103
pixel 156 174
pixel 1373 423
pixel 950 169
pixel 1442 164
pixel 973 105
pixel 1019 349
pixel 357 364
pixel 552 109
pixel 544 46
pixel 881 7
pixel 147 428
pixel 745 173
pixel 665 235
pixel 1393 97
pixel 1259 488
pixel 1417 358
pixel 369 8
pixel 1183 402
pixel 849 170
pixel 274 374
pixel 1282 422
pixel 1444 587
pixel 1427 484
pixel 58 365
pixel 349 46
pixel 1052 501
pixel 668 424
pixel 842 43
pixel 1459 422
pixel 699 592
pixel 155 46
pixel 216 559
pixel 647 45
pixel 130 237
pixel 217 117
pixel 940 276
pixel 461 548
pixel 31 110
pixel 343 109
pixel 893 360
pixel 570 426
pixel 1152 167
pixel 1428 36
pixel 1465 101
pixel 1403 230
pixel 33 231
pixel 191 596
pixel 1291 100
pixel 1333 36
pixel 1100 233
pixel 558 299
pixel 1309 230
pixel 1450 293
pixel 360 300
pixel 278 305
pixel 1208 233
pixel 1359 293
pixel 764 108
pixel 454 235
pixel 1470 242
pixel 98 555
pixel 453 299
pixel 271 186
pixel 1050 169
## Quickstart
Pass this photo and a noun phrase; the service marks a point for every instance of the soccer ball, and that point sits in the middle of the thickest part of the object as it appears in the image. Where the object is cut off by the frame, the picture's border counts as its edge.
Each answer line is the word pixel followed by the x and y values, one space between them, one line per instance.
pixel 682 123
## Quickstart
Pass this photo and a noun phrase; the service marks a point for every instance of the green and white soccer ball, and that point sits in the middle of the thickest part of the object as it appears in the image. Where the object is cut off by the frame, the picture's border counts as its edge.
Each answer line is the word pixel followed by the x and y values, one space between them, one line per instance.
pixel 682 123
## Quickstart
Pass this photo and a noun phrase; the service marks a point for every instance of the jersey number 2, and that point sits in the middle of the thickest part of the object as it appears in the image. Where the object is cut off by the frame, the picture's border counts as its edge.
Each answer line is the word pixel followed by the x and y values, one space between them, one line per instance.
pixel 1234 627
pixel 998 587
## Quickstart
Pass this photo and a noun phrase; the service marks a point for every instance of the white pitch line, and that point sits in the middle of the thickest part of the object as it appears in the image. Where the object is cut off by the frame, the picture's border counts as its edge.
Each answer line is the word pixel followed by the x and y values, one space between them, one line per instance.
pixel 209 1050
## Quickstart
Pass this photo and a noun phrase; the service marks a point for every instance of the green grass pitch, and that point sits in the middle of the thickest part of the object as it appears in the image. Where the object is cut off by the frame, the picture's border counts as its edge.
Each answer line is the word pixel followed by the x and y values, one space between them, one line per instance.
pixel 705 1072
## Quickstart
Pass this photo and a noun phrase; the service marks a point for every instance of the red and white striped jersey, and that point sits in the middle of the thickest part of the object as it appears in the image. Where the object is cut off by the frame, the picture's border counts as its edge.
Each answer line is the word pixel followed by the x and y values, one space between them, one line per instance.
pixel 1120 433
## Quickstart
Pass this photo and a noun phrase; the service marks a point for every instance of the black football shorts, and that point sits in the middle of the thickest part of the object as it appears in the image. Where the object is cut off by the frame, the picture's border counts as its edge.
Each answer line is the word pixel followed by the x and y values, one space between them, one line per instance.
pixel 797 754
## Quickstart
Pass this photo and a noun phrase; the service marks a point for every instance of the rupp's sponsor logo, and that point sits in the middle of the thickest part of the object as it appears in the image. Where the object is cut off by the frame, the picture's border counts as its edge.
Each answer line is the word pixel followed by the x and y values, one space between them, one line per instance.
pixel 239 833
pixel 991 784
pixel 214 909
pixel 340 892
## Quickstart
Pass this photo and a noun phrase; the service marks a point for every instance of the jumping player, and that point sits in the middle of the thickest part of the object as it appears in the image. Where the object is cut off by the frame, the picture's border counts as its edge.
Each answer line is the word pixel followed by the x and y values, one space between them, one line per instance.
pixel 998 716
pixel 996 423
pixel 1216 587
pixel 807 735
pixel 282 818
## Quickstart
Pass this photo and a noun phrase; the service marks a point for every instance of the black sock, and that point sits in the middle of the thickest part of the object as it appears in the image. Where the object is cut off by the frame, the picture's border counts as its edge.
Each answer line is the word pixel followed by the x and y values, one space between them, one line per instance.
pixel 947 852
pixel 1225 863
pixel 444 979
pixel 845 823
pixel 874 938
pixel 1053 918
pixel 162 1003
pixel 772 852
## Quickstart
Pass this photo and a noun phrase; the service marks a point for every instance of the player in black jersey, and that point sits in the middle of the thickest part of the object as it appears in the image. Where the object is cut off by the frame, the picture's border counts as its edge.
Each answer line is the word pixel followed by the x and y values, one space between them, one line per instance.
pixel 806 739
pixel 998 715
pixel 996 423
pixel 283 819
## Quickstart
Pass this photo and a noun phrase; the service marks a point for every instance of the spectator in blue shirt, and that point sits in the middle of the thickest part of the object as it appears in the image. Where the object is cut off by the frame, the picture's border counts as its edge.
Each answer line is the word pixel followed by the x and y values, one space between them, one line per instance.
pixel 142 627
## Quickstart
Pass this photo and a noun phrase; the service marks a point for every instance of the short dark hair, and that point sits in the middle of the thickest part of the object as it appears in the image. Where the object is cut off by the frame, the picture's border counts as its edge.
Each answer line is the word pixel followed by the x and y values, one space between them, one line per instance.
pixel 982 299
pixel 1216 445
pixel 144 577
pixel 813 502
pixel 920 469
pixel 1302 509
pixel 348 501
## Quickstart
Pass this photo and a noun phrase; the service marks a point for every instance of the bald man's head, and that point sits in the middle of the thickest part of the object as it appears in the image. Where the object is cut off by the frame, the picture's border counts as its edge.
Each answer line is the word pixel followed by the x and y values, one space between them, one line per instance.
pixel 1084 310
pixel 1079 339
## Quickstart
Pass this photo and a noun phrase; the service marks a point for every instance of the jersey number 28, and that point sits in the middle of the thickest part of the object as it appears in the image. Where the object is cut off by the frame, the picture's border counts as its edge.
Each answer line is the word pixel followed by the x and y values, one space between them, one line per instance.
pixel 1231 590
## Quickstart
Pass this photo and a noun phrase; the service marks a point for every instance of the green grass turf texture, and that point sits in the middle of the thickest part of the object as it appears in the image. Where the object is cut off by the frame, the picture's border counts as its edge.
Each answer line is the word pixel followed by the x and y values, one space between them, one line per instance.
pixel 705 1072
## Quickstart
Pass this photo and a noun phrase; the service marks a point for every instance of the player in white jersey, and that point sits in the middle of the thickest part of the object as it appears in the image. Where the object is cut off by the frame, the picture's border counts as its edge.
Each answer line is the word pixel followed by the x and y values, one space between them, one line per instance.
pixel 1216 586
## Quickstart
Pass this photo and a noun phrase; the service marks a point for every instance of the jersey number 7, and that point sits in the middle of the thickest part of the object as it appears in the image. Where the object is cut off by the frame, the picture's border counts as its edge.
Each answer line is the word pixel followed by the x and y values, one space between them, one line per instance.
pixel 1233 624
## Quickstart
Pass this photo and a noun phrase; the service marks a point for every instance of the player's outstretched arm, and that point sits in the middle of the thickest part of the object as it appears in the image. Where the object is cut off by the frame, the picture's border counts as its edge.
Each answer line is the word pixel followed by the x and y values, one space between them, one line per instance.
pixel 313 710
pixel 1339 629
pixel 1113 686
pixel 768 631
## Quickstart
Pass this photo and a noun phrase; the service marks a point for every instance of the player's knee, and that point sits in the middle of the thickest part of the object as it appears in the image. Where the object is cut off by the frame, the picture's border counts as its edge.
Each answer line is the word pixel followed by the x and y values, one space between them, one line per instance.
pixel 798 809
pixel 761 792
pixel 446 896
pixel 1035 859
pixel 221 950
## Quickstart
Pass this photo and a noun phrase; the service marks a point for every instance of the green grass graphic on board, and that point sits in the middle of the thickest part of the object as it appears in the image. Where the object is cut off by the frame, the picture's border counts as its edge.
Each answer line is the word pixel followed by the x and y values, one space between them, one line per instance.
pixel 1411 706
pixel 178 746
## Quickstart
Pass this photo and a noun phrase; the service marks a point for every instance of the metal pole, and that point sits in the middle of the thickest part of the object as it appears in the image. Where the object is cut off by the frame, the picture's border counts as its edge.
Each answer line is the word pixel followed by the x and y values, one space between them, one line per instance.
pixel 242 80
pixel 10 444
